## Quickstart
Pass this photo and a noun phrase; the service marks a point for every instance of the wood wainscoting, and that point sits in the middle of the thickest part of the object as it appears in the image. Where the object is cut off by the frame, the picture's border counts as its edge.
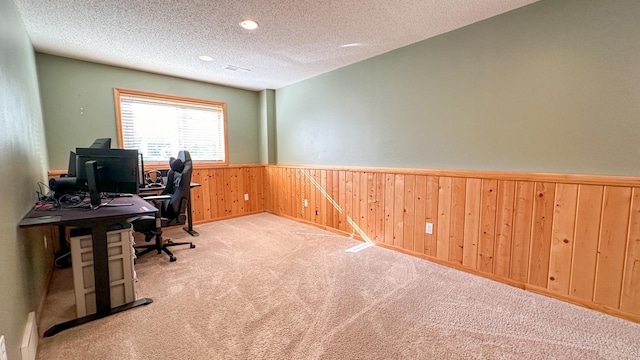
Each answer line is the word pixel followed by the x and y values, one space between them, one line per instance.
pixel 221 194
pixel 573 237
pixel 227 192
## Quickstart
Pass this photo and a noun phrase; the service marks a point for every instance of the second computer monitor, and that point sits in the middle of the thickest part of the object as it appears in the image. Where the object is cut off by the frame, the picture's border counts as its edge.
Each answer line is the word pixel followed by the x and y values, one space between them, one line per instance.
pixel 102 143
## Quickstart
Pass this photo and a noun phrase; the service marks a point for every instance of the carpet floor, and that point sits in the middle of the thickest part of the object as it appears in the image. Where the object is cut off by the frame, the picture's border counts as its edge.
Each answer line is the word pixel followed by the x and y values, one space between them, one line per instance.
pixel 265 287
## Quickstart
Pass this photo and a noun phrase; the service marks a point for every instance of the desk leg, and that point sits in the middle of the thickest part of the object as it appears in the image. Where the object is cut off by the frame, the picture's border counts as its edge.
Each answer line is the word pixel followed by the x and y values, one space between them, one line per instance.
pixel 189 229
pixel 63 255
pixel 102 285
pixel 83 320
pixel 101 268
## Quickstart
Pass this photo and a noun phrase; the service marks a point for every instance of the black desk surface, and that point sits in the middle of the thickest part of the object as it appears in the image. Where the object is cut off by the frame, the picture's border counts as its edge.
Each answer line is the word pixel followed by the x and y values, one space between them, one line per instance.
pixel 83 217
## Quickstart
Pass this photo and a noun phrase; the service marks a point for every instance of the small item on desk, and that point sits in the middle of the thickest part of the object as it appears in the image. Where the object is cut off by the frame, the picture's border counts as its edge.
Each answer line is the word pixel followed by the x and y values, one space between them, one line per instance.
pixel 154 178
pixel 42 205
pixel 110 195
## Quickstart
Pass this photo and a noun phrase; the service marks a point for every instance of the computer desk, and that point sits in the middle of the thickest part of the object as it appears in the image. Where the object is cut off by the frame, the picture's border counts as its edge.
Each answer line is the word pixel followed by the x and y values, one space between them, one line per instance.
pixel 148 190
pixel 98 220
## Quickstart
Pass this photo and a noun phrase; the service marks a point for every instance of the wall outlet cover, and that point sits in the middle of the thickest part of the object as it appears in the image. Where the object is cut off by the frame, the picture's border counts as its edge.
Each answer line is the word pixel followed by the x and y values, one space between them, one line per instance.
pixel 429 228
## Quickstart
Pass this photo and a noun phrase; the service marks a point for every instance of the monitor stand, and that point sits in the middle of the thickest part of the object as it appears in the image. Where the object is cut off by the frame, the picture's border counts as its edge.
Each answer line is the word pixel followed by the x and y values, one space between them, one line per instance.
pixel 92 182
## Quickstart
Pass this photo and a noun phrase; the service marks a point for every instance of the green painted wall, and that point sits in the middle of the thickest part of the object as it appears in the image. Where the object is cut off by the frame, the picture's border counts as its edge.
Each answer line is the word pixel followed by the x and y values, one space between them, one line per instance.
pixel 78 106
pixel 24 261
pixel 550 87
pixel 268 127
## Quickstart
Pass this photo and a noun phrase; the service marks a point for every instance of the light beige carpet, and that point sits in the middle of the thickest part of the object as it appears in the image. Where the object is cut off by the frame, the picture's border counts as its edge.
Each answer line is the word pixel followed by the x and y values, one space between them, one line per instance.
pixel 264 287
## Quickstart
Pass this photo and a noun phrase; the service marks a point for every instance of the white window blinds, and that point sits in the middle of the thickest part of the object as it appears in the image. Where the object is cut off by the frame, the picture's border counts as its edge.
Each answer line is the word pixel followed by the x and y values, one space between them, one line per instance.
pixel 160 127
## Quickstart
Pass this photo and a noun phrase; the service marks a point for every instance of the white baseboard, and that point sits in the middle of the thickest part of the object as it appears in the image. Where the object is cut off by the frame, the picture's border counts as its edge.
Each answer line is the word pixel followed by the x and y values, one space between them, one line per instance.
pixel 29 346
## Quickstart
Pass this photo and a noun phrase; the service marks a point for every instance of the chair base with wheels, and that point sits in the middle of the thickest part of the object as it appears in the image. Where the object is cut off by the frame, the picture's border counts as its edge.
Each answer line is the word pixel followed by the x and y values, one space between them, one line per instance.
pixel 160 245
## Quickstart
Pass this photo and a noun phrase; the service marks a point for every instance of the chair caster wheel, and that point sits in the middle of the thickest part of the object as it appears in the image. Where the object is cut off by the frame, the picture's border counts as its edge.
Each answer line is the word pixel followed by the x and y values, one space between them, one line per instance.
pixel 192 246
pixel 172 258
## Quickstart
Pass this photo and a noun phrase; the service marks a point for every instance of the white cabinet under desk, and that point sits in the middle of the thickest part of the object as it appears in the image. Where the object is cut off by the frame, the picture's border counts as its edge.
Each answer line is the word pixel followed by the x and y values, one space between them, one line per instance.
pixel 121 271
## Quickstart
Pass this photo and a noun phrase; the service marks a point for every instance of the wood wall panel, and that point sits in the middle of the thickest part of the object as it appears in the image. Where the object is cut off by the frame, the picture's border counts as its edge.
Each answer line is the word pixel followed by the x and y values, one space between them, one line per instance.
pixel 630 300
pixel 420 214
pixel 456 226
pixel 355 203
pixel 444 216
pixel 409 221
pixel 398 211
pixel 488 214
pixel 328 180
pixel 348 208
pixel 389 187
pixel 234 193
pixel 540 245
pixel 266 188
pixel 431 215
pixel 521 238
pixel 312 196
pixel 574 237
pixel 364 203
pixel 371 205
pixel 504 228
pixel 585 248
pixel 342 194
pixel 221 193
pixel 472 223
pixel 335 195
pixel 612 245
pixel 562 238
pixel 380 201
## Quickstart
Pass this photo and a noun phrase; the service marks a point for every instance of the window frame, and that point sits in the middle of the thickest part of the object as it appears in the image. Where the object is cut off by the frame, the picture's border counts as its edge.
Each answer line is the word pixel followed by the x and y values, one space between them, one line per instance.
pixel 117 92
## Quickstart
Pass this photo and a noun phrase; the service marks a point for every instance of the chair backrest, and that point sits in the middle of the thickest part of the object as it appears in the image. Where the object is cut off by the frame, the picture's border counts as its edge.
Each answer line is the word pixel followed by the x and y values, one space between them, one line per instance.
pixel 178 184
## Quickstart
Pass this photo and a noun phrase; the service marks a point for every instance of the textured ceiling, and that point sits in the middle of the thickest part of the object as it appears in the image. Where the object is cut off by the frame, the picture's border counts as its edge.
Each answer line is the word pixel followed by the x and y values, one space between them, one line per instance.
pixel 296 40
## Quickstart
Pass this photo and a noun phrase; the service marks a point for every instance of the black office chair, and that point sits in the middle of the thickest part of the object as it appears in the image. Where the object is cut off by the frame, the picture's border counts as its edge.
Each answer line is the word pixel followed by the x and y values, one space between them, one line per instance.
pixel 172 203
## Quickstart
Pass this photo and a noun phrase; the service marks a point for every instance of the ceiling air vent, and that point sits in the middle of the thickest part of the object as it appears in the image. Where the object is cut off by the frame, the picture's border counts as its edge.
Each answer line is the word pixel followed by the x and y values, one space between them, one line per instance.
pixel 236 69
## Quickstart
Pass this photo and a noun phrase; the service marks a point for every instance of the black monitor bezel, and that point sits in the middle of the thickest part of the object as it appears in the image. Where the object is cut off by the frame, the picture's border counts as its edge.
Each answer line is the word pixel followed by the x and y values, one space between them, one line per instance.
pixel 117 169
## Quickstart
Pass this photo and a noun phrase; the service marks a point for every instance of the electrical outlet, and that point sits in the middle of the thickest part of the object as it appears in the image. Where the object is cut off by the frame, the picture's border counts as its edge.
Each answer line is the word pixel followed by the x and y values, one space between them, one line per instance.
pixel 429 228
pixel 246 197
pixel 3 349
pixel 306 202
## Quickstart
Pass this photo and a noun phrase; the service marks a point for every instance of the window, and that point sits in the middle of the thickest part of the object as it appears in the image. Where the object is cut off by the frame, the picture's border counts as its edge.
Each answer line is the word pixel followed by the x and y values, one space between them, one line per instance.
pixel 161 125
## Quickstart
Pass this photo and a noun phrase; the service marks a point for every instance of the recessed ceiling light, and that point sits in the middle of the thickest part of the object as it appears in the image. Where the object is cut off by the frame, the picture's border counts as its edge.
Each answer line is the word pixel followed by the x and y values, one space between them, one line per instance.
pixel 249 24
pixel 205 58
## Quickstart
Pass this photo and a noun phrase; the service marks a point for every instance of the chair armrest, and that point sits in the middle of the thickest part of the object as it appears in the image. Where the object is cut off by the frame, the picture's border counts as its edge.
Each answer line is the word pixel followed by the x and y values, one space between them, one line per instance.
pixel 158 201
pixel 157 197
pixel 140 219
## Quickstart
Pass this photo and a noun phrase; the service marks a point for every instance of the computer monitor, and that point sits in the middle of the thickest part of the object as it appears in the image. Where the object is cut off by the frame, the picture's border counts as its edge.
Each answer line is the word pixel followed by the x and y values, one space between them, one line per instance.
pixel 114 170
pixel 71 168
pixel 102 143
